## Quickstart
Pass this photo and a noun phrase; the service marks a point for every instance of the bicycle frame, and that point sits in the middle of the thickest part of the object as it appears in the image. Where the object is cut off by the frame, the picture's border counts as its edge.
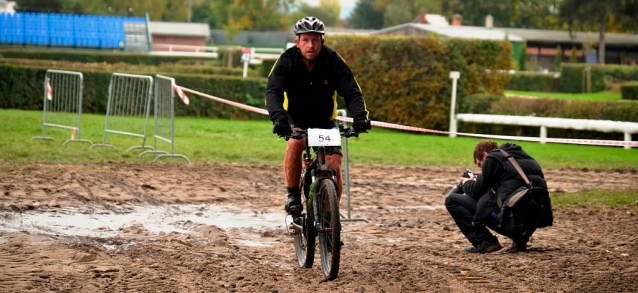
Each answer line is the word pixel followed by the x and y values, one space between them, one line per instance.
pixel 322 218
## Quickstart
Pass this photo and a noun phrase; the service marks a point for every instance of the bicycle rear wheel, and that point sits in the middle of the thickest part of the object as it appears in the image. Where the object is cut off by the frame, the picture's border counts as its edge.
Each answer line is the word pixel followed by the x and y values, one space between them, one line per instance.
pixel 328 228
pixel 305 237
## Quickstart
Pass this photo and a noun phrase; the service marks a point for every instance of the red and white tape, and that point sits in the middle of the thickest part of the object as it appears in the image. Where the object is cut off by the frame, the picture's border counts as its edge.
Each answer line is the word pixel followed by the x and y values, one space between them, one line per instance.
pixel 238 105
pixel 424 130
pixel 49 90
pixel 181 94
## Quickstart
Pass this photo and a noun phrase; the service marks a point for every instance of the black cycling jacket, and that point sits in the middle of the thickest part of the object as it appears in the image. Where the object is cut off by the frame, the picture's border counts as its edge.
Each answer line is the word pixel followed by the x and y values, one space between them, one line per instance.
pixel 309 99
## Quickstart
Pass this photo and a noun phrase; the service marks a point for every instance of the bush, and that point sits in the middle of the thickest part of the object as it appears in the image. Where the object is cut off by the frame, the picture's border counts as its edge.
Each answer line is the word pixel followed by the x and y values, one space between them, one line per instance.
pixel 576 109
pixel 266 66
pixel 558 60
pixel 230 56
pixel 534 82
pixel 522 58
pixel 629 91
pixel 572 55
pixel 94 57
pixel 573 78
pixel 405 80
pixel 23 88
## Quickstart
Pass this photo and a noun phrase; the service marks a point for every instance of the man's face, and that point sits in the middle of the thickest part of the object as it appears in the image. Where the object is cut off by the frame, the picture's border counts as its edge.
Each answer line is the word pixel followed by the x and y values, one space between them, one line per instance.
pixel 309 44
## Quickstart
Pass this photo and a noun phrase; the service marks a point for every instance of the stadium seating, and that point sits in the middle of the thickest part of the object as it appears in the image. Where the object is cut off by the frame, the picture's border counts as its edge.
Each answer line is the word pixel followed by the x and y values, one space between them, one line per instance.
pixel 65 30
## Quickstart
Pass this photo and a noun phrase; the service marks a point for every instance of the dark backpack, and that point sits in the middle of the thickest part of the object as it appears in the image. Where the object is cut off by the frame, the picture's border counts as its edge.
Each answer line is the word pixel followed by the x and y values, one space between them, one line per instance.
pixel 526 208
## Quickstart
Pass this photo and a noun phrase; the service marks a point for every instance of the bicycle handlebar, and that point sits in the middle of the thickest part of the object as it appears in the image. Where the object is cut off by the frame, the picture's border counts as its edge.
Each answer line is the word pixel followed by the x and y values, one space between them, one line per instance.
pixel 347 132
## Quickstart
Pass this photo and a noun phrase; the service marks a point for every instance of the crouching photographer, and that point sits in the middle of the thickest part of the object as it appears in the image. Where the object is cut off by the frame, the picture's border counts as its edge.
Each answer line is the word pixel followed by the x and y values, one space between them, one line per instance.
pixel 509 197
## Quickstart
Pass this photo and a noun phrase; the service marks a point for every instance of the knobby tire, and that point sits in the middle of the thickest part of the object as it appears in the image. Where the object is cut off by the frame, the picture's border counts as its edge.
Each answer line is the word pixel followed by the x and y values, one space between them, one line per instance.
pixel 328 228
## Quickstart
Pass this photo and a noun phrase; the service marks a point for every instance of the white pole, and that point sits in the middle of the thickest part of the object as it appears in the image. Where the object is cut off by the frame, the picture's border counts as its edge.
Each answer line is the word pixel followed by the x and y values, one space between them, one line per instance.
pixel 245 57
pixel 454 75
pixel 543 134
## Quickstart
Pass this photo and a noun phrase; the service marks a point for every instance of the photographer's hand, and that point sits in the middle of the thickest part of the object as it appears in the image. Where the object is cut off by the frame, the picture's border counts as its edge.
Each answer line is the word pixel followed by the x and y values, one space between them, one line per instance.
pixel 463 180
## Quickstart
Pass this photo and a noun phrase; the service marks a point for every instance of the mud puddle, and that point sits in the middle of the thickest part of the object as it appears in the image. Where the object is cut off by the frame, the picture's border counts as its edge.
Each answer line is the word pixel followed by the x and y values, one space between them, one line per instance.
pixel 95 222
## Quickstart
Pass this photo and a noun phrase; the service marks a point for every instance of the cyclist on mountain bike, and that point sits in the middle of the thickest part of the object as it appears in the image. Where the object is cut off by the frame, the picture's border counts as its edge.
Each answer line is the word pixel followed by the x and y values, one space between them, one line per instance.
pixel 301 93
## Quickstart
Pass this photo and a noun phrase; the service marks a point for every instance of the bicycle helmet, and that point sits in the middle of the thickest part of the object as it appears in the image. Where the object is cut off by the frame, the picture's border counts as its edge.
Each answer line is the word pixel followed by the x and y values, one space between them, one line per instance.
pixel 310 24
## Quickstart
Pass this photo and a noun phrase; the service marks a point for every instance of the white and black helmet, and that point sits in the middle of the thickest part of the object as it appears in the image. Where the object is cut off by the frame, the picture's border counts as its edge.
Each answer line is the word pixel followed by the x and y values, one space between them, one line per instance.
pixel 309 24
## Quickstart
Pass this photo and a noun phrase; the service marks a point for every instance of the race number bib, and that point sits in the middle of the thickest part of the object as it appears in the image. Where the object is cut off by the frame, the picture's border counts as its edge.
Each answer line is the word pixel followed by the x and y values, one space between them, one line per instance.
pixel 323 137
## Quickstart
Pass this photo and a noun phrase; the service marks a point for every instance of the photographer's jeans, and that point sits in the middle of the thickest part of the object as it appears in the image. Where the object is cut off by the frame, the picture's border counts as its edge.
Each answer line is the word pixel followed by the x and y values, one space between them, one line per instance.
pixel 462 208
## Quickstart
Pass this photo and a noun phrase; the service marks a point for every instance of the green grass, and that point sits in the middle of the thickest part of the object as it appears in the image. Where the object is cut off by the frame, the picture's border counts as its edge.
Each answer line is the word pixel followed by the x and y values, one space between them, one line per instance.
pixel 605 95
pixel 205 140
pixel 614 198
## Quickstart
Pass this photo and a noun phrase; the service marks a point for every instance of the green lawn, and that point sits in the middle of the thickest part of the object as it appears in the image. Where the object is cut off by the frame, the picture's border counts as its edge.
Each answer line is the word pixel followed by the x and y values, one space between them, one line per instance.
pixel 205 140
pixel 605 95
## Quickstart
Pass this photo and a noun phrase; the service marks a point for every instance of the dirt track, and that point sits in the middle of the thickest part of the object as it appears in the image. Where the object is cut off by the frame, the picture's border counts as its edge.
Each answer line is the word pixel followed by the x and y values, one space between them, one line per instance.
pixel 409 244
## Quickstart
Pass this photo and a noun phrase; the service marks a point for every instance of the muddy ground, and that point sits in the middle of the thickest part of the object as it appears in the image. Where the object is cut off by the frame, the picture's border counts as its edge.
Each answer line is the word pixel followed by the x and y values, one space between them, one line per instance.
pixel 178 228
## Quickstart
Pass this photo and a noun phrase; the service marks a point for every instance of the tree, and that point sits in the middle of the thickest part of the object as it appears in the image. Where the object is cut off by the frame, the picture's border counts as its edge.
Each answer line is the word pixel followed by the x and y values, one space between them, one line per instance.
pixel 52 6
pixel 572 56
pixel 396 12
pixel 328 11
pixel 365 16
pixel 558 60
pixel 475 11
pixel 522 58
pixel 253 15
pixel 599 15
pixel 540 14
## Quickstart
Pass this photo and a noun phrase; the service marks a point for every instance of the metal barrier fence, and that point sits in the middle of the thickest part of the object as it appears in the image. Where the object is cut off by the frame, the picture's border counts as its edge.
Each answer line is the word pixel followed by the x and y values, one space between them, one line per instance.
pixel 128 108
pixel 62 106
pixel 164 113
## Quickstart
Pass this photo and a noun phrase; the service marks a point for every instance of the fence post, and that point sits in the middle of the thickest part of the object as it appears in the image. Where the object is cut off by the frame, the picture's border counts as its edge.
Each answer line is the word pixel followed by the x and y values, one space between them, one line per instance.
pixel 62 96
pixel 454 75
pixel 245 58
pixel 543 134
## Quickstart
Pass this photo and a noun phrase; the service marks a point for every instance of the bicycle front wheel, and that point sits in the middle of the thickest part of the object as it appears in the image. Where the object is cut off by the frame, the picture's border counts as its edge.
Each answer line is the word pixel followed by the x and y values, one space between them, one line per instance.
pixel 328 228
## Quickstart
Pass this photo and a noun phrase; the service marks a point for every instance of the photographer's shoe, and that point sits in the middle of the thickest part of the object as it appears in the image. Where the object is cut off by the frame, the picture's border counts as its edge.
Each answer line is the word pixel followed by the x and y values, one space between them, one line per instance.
pixel 293 204
pixel 517 247
pixel 486 246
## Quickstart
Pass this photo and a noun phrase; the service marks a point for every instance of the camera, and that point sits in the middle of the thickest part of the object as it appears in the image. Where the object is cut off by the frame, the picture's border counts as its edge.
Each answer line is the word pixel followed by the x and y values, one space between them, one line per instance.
pixel 467 173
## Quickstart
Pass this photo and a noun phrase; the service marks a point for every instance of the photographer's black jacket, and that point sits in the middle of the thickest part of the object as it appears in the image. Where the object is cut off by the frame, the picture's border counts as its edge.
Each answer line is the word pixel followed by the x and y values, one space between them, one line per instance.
pixel 308 99
pixel 500 175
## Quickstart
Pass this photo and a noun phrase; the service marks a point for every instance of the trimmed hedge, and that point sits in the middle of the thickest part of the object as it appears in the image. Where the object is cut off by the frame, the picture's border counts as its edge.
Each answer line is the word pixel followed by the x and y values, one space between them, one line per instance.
pixel 576 109
pixel 629 91
pixel 573 79
pixel 405 80
pixel 266 67
pixel 182 66
pixel 572 76
pixel 534 83
pixel 22 87
pixel 95 57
